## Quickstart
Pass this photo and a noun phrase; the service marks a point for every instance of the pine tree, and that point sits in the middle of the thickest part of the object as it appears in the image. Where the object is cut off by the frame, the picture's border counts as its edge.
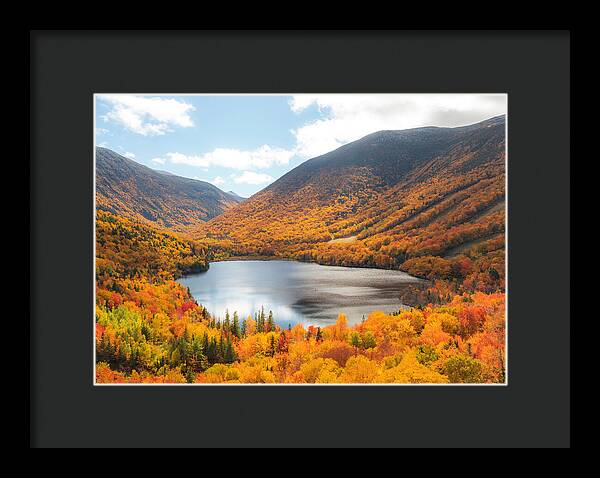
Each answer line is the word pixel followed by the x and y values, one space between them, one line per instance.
pixel 227 323
pixel 232 353
pixel 220 349
pixel 260 324
pixel 211 351
pixel 272 345
pixel 235 328
pixel 197 360
pixel 270 322
pixel 205 343
pixel 229 353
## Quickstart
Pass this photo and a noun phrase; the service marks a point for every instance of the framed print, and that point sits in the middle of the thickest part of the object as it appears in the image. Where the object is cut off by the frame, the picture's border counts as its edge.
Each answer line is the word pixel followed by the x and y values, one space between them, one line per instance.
pixel 331 239
pixel 236 233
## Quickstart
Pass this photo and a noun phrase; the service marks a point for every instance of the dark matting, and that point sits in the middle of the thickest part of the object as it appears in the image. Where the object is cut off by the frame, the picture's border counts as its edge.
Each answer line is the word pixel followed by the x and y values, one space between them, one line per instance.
pixel 68 67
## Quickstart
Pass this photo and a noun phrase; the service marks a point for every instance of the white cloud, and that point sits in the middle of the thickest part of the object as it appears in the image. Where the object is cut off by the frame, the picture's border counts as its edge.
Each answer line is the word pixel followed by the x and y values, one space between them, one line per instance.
pixel 216 181
pixel 347 118
pixel 148 116
pixel 129 155
pixel 342 119
pixel 250 177
pixel 100 131
pixel 260 158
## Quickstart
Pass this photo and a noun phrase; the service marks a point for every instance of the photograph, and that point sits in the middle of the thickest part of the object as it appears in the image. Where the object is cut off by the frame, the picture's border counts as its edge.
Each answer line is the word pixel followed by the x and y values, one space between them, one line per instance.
pixel 300 239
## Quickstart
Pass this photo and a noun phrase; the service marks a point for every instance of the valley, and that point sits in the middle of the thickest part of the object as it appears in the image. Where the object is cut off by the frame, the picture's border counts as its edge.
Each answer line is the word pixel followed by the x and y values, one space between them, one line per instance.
pixel 421 212
pixel 351 207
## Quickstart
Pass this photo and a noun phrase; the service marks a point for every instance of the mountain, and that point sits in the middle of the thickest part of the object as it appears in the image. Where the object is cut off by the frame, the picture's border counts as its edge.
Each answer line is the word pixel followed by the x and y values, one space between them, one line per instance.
pixel 236 196
pixel 135 191
pixel 387 199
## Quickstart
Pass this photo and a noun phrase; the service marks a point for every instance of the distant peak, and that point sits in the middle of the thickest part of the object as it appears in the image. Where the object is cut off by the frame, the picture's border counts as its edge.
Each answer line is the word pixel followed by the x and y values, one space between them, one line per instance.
pixel 235 195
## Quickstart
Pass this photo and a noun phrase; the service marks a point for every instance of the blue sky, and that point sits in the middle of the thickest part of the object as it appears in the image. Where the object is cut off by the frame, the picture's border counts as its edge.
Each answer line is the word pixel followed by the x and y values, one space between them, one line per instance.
pixel 243 142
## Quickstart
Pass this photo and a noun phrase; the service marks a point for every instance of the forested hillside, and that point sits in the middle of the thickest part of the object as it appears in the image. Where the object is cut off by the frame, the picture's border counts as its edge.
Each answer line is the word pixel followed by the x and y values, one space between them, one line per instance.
pixel 150 329
pixel 429 201
pixel 159 198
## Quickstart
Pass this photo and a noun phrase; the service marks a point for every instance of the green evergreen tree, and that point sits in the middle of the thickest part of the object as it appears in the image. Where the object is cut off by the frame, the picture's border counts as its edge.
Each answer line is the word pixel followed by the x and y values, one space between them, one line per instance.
pixel 205 343
pixel 227 323
pixel 220 349
pixel 271 351
pixel 261 318
pixel 270 322
pixel 229 352
pixel 235 327
pixel 212 351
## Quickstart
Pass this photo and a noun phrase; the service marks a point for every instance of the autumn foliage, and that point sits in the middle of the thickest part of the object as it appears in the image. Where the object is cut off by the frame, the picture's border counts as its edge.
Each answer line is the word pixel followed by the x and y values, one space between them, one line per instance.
pixel 441 219
pixel 460 342
pixel 149 329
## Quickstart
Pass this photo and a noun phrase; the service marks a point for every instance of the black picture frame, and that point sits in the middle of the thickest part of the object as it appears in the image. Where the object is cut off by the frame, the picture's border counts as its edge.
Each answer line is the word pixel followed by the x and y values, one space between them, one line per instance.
pixel 67 67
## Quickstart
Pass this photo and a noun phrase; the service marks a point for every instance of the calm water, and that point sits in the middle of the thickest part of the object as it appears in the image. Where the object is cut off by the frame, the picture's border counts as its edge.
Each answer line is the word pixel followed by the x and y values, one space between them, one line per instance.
pixel 297 291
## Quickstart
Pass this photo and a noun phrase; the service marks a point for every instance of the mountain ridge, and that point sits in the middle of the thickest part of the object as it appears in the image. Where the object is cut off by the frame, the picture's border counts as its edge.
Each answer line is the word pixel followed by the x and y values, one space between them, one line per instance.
pixel 404 195
pixel 381 136
pixel 128 188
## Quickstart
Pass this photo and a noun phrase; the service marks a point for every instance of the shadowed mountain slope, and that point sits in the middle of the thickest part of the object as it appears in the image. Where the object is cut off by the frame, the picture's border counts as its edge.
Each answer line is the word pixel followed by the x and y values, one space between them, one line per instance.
pixel 132 190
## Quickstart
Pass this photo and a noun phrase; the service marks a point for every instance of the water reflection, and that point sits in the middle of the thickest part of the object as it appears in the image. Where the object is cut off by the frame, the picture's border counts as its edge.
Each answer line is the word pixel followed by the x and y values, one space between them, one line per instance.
pixel 296 291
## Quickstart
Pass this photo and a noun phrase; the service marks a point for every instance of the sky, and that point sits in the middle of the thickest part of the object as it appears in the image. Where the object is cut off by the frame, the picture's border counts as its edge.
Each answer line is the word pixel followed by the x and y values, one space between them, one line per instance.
pixel 242 143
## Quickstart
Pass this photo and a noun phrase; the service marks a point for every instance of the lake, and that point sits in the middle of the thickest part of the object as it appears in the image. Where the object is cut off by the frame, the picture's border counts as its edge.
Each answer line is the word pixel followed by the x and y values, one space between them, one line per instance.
pixel 309 293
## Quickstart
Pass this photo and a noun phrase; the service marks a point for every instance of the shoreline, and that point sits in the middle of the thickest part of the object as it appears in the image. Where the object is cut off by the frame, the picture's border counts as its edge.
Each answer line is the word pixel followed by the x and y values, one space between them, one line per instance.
pixel 254 258
pixel 278 258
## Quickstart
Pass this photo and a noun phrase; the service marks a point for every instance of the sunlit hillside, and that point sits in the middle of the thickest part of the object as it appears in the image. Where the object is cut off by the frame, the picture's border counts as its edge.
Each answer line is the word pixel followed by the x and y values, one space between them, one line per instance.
pixel 430 201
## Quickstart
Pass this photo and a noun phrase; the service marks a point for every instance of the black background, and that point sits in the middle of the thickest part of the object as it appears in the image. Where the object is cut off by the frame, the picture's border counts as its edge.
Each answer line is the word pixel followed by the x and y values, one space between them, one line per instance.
pixel 66 68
